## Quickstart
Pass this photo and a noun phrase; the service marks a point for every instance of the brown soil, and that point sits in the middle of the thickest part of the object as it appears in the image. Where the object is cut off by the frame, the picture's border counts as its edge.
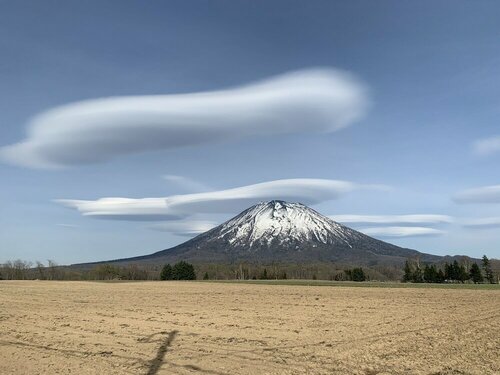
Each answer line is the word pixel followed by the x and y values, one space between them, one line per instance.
pixel 213 328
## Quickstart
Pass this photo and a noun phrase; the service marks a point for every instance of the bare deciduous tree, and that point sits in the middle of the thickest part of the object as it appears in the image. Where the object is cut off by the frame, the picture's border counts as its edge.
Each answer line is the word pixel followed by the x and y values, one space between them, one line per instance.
pixel 52 266
pixel 40 268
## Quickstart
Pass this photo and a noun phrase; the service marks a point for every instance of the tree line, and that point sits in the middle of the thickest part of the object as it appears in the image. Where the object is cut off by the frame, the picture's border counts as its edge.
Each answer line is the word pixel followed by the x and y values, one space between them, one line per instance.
pixel 449 272
pixel 463 270
pixel 24 270
pixel 295 271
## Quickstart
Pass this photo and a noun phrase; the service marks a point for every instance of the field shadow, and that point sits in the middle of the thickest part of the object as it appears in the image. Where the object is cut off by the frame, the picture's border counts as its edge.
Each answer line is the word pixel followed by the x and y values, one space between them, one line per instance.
pixel 158 360
pixel 156 363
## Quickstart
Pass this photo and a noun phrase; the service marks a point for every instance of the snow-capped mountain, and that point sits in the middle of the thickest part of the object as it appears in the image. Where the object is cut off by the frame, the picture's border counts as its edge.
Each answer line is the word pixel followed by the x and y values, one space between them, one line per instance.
pixel 283 232
pixel 278 223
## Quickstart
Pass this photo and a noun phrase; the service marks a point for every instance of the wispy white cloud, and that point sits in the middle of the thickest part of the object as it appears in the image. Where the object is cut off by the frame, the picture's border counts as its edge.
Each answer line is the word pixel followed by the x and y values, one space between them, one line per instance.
pixel 307 191
pixel 429 219
pixel 67 225
pixel 487 146
pixel 482 223
pixel 186 183
pixel 186 228
pixel 315 100
pixel 388 232
pixel 484 194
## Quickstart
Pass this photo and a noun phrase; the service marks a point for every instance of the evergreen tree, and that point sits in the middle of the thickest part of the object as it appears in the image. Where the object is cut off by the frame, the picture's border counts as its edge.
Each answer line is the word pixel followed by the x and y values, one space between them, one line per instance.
pixel 430 274
pixel 166 272
pixel 461 273
pixel 475 273
pixel 263 275
pixel 205 276
pixel 455 271
pixel 487 270
pixel 448 272
pixel 418 275
pixel 440 278
pixel 408 273
pixel 358 274
pixel 183 271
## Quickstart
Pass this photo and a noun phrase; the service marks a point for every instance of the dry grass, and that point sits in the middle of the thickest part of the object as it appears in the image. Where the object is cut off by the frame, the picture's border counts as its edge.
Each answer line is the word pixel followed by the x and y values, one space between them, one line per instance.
pixel 221 328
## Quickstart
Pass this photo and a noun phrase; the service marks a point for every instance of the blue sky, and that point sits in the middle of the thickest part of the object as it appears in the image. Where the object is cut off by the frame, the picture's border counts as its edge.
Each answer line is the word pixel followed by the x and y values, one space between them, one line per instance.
pixel 426 144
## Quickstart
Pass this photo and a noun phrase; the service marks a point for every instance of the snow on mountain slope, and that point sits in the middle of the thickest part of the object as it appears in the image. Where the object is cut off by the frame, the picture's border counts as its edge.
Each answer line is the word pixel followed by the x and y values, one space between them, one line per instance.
pixel 281 223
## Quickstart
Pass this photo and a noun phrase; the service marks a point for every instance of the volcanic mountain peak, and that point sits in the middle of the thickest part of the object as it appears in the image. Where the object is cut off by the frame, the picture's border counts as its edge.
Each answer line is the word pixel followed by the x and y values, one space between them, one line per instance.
pixel 278 231
pixel 282 223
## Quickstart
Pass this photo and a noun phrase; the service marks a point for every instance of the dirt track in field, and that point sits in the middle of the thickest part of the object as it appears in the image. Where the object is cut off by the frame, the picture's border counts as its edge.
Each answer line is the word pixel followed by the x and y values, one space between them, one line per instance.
pixel 213 328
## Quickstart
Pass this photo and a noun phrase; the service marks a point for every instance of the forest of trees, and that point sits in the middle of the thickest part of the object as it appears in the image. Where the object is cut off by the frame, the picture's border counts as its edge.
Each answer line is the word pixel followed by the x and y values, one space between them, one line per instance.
pixel 449 272
pixel 463 270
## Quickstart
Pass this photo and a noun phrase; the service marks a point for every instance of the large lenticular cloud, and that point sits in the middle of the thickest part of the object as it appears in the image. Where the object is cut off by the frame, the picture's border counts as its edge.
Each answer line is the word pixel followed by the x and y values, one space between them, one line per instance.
pixel 316 100
pixel 303 190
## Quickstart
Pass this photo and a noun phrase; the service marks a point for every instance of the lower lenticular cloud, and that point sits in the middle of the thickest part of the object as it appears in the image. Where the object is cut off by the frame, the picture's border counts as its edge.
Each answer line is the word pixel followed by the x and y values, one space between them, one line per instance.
pixel 393 219
pixel 315 100
pixel 144 209
pixel 390 232
pixel 186 228
pixel 485 194
pixel 307 191
pixel 482 223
